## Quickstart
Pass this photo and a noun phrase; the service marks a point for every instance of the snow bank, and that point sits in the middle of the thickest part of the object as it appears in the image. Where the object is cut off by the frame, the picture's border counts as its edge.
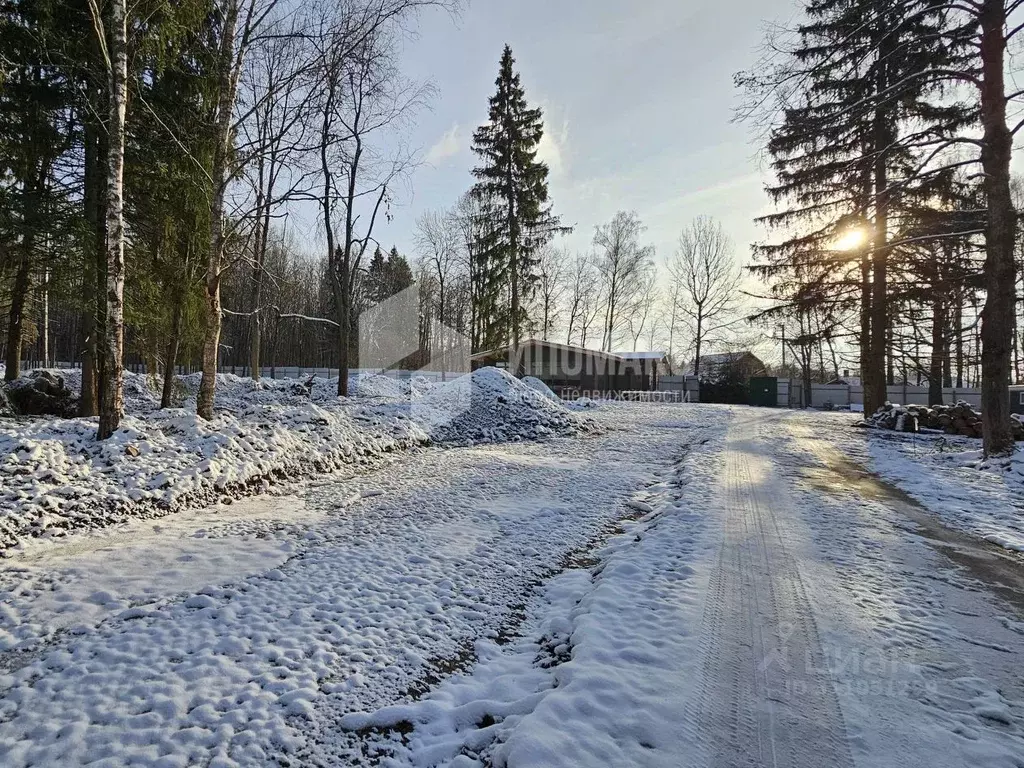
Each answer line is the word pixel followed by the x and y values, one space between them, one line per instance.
pixel 601 671
pixel 55 476
pixel 405 567
pixel 490 404
pixel 376 385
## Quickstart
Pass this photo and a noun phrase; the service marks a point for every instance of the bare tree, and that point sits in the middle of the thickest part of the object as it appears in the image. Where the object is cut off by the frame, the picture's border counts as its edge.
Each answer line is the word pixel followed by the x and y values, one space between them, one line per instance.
pixel 704 272
pixel 640 311
pixel 276 101
pixel 622 264
pixel 438 240
pixel 470 221
pixel 437 244
pixel 242 24
pixel 361 96
pixel 583 298
pixel 672 316
pixel 552 287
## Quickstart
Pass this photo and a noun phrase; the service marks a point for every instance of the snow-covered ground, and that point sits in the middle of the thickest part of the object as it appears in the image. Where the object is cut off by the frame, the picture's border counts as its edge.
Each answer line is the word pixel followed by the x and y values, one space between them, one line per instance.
pixel 406 569
pixel 946 473
pixel 746 619
pixel 57 478
pixel 691 585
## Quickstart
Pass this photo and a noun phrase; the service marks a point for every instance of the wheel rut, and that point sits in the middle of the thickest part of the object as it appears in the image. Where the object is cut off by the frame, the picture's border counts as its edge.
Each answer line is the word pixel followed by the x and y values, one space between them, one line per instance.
pixel 766 697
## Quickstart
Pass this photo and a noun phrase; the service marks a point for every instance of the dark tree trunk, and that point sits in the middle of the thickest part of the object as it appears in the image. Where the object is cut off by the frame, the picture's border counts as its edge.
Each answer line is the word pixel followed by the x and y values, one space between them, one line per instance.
pixel 172 356
pixel 16 315
pixel 698 339
pixel 938 358
pixel 997 315
pixel 340 284
pixel 95 273
pixel 873 373
pixel 865 316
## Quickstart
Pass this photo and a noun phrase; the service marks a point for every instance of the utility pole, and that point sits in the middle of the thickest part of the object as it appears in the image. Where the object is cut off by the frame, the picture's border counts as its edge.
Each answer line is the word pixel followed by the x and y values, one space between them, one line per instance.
pixel 783 329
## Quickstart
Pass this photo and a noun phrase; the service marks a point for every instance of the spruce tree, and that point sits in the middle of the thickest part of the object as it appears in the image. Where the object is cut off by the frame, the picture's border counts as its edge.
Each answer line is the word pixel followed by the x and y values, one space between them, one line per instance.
pixel 844 152
pixel 515 213
pixel 398 273
pixel 376 278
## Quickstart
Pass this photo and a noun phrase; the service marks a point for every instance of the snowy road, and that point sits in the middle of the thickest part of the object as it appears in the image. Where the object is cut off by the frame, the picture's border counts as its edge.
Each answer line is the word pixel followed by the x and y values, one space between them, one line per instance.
pixel 700 586
pixel 766 696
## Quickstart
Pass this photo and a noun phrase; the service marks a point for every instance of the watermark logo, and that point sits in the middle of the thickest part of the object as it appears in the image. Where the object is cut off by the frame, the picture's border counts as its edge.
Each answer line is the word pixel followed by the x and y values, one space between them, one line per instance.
pixel 404 330
pixel 778 655
pixel 790 667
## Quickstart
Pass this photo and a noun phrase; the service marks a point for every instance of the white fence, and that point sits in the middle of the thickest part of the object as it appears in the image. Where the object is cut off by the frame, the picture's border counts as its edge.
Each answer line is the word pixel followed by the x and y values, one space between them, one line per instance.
pixel 688 386
pixel 843 395
pixel 298 372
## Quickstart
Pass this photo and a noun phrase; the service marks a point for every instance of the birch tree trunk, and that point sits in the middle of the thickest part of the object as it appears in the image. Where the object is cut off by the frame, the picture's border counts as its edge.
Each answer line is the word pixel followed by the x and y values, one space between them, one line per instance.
pixel 112 399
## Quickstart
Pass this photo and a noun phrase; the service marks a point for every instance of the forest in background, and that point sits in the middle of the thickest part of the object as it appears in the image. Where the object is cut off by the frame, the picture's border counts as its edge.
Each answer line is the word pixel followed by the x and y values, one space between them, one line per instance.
pixel 151 154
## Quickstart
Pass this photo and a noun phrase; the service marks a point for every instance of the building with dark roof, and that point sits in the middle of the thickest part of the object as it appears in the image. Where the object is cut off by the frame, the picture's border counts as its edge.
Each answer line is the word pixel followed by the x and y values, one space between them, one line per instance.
pixel 578 369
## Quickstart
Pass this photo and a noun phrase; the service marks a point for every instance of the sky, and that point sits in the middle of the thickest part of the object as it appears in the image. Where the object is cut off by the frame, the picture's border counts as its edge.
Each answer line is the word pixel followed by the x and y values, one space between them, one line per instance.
pixel 638 100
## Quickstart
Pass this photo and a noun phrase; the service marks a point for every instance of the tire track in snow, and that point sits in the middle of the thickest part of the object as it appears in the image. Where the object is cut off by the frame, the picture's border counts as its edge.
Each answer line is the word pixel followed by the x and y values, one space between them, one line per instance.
pixel 766 698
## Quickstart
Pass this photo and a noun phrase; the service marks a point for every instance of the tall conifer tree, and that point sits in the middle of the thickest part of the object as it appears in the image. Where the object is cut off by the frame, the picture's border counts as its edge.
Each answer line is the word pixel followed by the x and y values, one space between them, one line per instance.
pixel 515 213
pixel 851 134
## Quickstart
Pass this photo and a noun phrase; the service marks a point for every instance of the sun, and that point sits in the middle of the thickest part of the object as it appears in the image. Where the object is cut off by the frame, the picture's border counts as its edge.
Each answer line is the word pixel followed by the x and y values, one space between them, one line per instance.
pixel 851 239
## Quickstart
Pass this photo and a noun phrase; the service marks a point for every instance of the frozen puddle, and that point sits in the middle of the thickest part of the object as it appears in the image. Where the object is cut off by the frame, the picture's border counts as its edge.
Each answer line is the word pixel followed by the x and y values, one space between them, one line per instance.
pixel 79 582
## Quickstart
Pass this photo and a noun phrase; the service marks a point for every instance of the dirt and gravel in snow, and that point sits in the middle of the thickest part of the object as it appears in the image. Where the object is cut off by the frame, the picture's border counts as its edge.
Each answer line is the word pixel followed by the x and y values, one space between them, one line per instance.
pixel 692 586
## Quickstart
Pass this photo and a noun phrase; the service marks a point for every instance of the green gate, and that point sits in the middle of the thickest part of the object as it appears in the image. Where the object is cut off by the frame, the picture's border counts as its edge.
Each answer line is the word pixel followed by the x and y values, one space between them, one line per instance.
pixel 764 391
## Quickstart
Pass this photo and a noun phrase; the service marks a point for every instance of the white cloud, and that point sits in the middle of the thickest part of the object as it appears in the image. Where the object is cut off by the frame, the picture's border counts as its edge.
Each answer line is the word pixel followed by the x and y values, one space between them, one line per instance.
pixel 447 146
pixel 553 145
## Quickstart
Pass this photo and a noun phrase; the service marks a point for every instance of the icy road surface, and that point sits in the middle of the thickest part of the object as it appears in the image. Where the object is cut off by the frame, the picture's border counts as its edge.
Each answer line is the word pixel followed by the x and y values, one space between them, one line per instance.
pixel 700 586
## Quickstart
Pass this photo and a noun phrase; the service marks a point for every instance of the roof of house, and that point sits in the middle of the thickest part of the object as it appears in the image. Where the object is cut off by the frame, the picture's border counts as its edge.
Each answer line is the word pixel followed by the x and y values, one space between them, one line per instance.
pixel 501 351
pixel 720 358
pixel 654 355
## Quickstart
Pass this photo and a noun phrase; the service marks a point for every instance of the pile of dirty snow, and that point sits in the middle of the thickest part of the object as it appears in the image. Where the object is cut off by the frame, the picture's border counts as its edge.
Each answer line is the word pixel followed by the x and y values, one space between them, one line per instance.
pixel 539 386
pixel 64 387
pixel 55 476
pixel 420 385
pixel 377 385
pixel 490 404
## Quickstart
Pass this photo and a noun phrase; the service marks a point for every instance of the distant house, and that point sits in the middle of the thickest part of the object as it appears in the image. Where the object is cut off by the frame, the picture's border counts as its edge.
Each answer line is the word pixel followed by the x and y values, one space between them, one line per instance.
pixel 734 366
pixel 847 378
pixel 652 365
pixel 565 367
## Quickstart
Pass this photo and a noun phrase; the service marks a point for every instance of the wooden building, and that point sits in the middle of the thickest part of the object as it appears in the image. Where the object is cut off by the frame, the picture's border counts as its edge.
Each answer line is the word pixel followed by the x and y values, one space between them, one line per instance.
pixel 575 371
